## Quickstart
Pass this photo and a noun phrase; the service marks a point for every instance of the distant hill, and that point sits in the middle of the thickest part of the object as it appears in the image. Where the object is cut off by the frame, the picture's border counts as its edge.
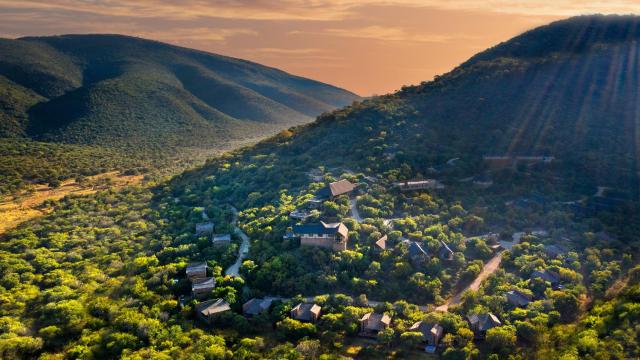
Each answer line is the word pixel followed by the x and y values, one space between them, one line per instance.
pixel 569 90
pixel 580 107
pixel 128 92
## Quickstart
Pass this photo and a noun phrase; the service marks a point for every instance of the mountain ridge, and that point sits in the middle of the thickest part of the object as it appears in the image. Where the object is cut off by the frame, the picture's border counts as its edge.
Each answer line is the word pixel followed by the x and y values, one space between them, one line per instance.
pixel 97 88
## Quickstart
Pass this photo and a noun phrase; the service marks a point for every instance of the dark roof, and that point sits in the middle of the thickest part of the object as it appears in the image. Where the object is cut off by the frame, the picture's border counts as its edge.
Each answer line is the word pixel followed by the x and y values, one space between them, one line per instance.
pixel 382 243
pixel 445 250
pixel 546 275
pixel 221 237
pixel 204 283
pixel 484 321
pixel 203 228
pixel 518 298
pixel 306 312
pixel 416 249
pixel 427 329
pixel 554 250
pixel 196 267
pixel 256 306
pixel 322 228
pixel 376 321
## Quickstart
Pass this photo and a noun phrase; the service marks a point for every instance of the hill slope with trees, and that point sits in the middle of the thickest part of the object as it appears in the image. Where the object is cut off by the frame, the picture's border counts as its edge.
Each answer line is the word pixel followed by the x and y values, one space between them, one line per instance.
pixel 104 276
pixel 149 98
pixel 110 89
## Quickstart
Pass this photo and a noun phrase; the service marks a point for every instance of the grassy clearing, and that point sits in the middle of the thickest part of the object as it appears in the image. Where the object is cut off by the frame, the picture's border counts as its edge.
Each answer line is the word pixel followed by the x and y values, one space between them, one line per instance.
pixel 28 206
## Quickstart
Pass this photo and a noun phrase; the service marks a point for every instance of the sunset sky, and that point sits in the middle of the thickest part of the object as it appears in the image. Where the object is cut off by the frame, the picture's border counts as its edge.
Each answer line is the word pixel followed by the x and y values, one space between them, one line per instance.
pixel 366 46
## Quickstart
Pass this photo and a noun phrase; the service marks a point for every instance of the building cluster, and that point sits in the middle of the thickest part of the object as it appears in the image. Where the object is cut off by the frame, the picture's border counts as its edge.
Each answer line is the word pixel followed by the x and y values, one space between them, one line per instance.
pixel 201 286
pixel 333 236
pixel 206 230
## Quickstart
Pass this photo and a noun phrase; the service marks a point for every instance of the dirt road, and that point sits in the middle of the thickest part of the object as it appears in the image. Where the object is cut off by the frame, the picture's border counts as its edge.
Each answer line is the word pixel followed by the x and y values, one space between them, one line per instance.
pixel 489 268
pixel 234 270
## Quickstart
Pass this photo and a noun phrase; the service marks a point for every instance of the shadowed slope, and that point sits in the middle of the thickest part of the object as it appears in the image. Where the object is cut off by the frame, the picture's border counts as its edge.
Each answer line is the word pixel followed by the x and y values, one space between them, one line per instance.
pixel 123 91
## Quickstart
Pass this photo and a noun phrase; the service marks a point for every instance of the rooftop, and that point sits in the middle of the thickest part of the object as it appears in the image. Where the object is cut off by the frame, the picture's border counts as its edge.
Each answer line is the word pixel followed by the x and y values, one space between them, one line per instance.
pixel 376 321
pixel 306 312
pixel 445 251
pixel 427 329
pixel 211 307
pixel 382 243
pixel 484 321
pixel 546 275
pixel 322 228
pixel 415 249
pixel 204 283
pixel 256 306
pixel 204 227
pixel 196 267
pixel 336 189
pixel 518 298
pixel 222 237
pixel 554 250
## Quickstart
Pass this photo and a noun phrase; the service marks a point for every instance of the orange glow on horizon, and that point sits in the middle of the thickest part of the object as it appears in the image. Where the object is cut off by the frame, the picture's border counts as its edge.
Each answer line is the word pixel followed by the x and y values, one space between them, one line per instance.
pixel 368 46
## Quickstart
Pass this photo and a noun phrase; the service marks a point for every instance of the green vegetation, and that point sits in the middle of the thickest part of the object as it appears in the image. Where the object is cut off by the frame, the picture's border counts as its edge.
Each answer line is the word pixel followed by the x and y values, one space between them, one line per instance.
pixel 116 90
pixel 136 104
pixel 23 163
pixel 103 276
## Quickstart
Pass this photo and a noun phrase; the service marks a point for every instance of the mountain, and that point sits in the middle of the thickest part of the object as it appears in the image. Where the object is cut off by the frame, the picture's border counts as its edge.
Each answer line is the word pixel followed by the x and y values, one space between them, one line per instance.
pixel 104 276
pixel 122 91
pixel 569 90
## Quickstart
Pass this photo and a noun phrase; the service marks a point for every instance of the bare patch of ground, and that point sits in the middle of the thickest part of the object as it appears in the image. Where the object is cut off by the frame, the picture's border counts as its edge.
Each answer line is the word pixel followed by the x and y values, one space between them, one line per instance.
pixel 24 207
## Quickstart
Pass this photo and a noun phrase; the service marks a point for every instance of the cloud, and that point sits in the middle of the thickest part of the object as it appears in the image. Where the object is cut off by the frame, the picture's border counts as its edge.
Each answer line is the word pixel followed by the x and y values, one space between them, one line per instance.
pixel 194 9
pixel 196 34
pixel 299 54
pixel 384 33
pixel 309 10
pixel 297 51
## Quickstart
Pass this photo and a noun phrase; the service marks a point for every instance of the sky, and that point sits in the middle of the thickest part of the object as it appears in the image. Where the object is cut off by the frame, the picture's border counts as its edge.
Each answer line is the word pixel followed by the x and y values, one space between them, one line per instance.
pixel 366 46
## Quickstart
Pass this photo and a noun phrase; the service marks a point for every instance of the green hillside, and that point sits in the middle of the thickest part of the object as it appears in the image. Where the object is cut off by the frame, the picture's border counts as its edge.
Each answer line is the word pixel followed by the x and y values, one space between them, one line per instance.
pixel 123 91
pixel 105 276
pixel 580 107
pixel 148 98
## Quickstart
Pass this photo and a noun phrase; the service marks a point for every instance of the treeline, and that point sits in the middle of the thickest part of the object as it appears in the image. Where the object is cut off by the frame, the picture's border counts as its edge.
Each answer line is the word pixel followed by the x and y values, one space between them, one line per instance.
pixel 24 163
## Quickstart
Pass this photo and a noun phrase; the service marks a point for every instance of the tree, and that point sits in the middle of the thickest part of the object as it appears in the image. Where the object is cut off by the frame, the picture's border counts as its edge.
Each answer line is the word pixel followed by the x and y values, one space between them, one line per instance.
pixel 310 349
pixel 386 336
pixel 410 339
pixel 293 329
pixel 567 305
pixel 502 339
pixel 285 352
pixel 527 332
pixel 464 336
pixel 19 347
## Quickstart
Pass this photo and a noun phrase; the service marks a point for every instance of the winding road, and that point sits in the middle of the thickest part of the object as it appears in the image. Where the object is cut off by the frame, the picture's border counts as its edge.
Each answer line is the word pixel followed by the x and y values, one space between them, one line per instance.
pixel 489 268
pixel 234 270
pixel 353 203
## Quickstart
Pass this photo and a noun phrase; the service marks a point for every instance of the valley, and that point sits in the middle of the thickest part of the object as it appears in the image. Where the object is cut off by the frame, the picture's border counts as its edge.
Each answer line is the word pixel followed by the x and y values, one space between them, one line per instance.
pixel 80 105
pixel 491 213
